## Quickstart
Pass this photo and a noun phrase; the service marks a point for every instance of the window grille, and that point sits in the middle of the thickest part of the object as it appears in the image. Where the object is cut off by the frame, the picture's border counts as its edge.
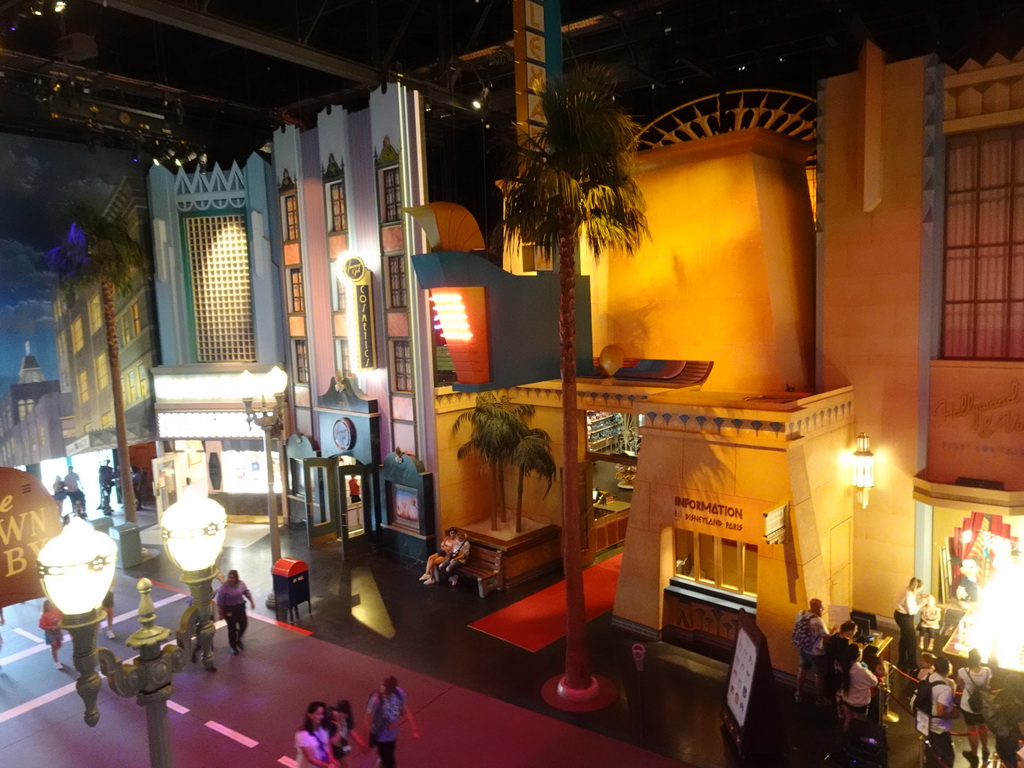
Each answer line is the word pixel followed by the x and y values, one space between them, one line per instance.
pixel 291 217
pixel 339 213
pixel 392 191
pixel 398 290
pixel 221 292
pixel 298 295
pixel 401 354
pixel 301 349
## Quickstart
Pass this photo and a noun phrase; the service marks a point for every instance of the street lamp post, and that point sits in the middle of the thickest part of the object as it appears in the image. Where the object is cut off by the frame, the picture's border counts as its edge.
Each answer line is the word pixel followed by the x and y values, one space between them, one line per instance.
pixel 268 416
pixel 77 569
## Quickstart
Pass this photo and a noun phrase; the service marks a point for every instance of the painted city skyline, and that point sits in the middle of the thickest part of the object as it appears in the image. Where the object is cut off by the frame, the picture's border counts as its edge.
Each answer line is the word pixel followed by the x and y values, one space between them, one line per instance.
pixel 39 178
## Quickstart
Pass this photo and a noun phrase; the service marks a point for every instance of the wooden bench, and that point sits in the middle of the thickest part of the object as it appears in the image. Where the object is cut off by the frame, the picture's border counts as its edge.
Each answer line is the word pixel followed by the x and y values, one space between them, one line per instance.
pixel 484 565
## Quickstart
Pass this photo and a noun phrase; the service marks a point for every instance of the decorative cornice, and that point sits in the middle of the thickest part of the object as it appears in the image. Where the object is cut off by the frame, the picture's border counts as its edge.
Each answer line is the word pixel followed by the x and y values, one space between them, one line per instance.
pixel 213 190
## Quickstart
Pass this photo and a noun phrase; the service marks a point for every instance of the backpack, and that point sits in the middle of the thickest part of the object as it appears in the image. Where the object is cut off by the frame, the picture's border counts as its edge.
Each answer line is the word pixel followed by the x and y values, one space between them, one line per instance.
pixel 924 698
pixel 803 638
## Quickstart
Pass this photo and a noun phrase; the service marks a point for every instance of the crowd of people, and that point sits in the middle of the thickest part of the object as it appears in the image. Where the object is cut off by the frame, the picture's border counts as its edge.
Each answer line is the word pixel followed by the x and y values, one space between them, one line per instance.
pixel 853 679
pixel 328 734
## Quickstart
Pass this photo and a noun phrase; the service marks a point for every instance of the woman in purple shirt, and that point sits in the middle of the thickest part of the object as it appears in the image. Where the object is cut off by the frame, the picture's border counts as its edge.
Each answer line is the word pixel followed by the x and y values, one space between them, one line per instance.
pixel 231 599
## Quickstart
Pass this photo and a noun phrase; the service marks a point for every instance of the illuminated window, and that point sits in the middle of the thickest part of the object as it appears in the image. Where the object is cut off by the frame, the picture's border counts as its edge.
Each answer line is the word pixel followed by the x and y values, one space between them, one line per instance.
pixel 132 393
pixel 77 335
pixel 983 303
pixel 221 291
pixel 135 318
pixel 391 195
pixel 401 362
pixel 143 381
pixel 107 420
pixel 95 315
pixel 301 349
pixel 716 562
pixel 102 372
pixel 290 204
pixel 339 214
pixel 398 289
pixel 298 298
pixel 83 386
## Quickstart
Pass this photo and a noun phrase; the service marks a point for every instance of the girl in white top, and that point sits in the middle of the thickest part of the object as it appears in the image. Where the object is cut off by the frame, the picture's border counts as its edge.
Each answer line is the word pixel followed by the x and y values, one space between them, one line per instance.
pixel 974 678
pixel 312 743
pixel 855 687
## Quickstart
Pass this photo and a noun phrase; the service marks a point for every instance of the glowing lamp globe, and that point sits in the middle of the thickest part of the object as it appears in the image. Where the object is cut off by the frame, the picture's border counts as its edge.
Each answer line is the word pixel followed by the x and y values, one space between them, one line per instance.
pixel 77 567
pixel 276 381
pixel 247 386
pixel 193 530
pixel 611 359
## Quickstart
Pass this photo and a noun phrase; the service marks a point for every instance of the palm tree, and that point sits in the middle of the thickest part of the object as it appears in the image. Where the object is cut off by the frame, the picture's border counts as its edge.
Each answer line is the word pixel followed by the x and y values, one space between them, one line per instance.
pixel 497 425
pixel 572 180
pixel 532 455
pixel 100 252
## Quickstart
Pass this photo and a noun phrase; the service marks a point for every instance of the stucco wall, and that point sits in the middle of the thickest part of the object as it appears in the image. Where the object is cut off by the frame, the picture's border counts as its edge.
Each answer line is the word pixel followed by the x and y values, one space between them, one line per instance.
pixel 871 310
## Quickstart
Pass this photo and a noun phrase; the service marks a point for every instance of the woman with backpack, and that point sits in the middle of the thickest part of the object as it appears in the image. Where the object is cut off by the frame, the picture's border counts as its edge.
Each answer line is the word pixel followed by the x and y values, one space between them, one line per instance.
pixel 384 712
pixel 975 680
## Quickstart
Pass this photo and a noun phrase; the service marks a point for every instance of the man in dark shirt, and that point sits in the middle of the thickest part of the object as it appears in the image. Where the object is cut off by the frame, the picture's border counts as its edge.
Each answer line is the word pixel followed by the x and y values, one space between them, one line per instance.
pixel 106 479
pixel 835 650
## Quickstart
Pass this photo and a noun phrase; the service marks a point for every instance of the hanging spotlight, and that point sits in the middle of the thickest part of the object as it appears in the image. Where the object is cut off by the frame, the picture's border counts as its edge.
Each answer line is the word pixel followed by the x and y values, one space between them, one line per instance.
pixel 156 161
pixel 59 6
pixel 177 161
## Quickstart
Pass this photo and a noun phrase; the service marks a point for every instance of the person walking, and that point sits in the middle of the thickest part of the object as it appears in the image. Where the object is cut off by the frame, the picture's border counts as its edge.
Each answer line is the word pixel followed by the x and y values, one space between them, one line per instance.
pixel 106 481
pixel 975 682
pixel 384 712
pixel 231 599
pixel 312 741
pixel 937 722
pixel 809 634
pixel 73 486
pixel 49 622
pixel 108 609
pixel 907 607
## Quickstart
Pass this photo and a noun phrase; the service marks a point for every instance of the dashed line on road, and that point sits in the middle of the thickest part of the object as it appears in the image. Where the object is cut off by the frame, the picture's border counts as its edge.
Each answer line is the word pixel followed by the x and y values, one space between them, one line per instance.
pixel 29 635
pixel 245 741
pixel 177 707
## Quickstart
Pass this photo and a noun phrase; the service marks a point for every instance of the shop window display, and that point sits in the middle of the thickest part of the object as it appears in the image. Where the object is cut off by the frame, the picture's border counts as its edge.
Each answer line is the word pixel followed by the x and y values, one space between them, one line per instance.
pixel 980 575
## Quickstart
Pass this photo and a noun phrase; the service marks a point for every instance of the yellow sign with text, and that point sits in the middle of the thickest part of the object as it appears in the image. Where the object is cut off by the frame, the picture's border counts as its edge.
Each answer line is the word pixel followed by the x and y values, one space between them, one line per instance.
pixel 730 517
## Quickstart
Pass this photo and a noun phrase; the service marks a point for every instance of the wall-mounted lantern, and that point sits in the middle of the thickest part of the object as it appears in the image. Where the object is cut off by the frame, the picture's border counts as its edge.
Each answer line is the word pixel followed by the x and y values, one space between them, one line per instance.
pixel 863 468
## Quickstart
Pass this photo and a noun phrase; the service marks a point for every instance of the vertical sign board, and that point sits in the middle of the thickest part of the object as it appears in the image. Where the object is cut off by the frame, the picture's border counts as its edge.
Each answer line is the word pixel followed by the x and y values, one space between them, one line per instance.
pixel 362 308
pixel 28 519
pixel 537 44
pixel 751 713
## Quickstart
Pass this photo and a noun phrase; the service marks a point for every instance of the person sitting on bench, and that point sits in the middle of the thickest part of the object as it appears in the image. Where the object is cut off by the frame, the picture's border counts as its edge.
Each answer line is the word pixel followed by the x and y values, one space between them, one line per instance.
pixel 456 559
pixel 450 536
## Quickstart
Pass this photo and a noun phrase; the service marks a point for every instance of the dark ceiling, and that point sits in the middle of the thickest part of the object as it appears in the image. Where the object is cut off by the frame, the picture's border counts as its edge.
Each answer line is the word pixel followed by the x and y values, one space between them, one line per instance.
pixel 221 75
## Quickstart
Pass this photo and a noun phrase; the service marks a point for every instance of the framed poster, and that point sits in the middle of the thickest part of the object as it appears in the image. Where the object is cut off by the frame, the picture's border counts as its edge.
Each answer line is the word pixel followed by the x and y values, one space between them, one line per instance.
pixel 403 507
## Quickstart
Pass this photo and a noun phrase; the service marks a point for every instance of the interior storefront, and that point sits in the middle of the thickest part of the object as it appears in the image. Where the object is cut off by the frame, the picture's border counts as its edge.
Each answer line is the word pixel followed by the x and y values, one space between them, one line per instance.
pixel 613 442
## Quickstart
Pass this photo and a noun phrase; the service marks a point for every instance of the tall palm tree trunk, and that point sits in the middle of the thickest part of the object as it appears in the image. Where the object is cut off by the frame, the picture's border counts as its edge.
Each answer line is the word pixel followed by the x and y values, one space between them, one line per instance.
pixel 495 496
pixel 577 665
pixel 502 497
pixel 114 359
pixel 519 502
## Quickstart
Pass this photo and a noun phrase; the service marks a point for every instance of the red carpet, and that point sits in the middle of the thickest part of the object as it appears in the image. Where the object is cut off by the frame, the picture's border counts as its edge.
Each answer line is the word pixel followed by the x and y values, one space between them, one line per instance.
pixel 539 620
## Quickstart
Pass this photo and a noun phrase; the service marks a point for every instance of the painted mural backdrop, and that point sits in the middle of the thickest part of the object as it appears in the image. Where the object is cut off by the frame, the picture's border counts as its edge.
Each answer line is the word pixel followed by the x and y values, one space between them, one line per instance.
pixel 38 178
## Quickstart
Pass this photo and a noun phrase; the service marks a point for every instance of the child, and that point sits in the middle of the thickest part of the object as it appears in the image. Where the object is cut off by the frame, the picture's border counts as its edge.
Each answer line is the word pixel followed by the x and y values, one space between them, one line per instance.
pixel 928 626
pixel 926 664
pixel 49 622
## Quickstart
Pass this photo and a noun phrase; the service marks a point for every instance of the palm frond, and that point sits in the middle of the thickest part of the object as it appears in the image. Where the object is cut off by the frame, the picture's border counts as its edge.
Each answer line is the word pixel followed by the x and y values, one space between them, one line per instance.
pixel 97 249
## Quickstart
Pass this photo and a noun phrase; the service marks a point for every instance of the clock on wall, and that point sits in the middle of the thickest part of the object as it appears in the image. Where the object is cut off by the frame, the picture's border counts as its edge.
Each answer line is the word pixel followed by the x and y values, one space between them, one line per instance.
pixel 344 433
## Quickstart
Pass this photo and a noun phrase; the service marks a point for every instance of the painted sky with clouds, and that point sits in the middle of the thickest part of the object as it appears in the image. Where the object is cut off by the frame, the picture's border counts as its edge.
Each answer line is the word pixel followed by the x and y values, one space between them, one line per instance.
pixel 38 179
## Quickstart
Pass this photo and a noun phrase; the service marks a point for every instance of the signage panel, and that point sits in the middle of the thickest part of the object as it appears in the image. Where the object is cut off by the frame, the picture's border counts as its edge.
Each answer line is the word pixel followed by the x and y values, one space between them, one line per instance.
pixel 730 517
pixel 361 278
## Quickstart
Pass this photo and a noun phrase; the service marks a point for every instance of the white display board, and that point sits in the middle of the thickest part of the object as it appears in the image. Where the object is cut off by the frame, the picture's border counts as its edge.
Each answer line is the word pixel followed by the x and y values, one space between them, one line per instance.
pixel 741 676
